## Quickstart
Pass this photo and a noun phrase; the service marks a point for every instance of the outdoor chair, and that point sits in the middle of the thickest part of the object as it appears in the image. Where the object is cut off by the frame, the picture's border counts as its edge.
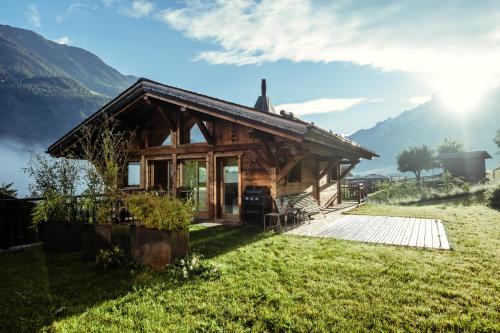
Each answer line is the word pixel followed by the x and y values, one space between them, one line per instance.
pixel 281 213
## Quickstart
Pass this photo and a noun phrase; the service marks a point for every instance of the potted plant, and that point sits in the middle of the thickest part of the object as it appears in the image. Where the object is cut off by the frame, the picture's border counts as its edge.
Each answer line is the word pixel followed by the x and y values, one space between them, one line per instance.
pixel 105 233
pixel 56 180
pixel 162 234
pixel 106 151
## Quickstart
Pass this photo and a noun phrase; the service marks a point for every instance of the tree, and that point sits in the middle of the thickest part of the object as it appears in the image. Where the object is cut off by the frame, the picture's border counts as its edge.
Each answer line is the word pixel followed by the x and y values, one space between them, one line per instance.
pixel 450 145
pixel 415 159
pixel 496 139
pixel 7 189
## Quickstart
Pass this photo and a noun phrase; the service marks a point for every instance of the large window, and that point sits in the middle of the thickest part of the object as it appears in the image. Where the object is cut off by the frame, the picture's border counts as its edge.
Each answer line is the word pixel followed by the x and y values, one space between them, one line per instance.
pixel 134 174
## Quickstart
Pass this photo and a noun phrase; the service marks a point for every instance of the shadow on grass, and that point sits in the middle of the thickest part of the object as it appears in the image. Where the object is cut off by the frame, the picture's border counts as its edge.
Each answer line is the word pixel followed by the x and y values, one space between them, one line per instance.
pixel 214 241
pixel 37 289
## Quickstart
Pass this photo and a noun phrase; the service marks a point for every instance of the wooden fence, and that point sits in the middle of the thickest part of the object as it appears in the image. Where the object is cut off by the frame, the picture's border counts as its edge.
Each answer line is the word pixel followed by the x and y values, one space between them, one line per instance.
pixel 16 226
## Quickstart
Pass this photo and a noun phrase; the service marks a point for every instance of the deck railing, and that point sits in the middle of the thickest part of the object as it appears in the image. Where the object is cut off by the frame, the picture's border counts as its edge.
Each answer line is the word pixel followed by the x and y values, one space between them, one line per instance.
pixel 354 192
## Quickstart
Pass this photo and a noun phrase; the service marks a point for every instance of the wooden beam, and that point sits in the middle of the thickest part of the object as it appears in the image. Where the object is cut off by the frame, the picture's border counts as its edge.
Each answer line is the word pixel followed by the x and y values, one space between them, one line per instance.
pixel 268 152
pixel 289 166
pixel 333 163
pixel 166 118
pixel 204 130
pixel 349 168
pixel 262 161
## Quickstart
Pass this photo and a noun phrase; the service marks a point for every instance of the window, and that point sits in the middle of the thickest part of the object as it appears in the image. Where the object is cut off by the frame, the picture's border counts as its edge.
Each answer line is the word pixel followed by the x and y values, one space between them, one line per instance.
pixel 295 175
pixel 134 174
pixel 195 135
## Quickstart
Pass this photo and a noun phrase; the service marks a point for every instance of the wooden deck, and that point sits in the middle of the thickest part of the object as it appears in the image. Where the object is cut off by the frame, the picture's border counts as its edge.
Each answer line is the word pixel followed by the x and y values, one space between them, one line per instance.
pixel 404 231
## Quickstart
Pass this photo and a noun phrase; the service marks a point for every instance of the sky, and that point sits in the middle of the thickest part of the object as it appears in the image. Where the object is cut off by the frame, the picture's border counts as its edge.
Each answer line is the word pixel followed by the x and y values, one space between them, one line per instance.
pixel 345 65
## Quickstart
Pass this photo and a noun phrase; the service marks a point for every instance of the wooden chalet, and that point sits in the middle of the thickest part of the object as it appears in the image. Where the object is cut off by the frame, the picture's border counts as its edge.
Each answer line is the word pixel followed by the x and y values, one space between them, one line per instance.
pixel 214 149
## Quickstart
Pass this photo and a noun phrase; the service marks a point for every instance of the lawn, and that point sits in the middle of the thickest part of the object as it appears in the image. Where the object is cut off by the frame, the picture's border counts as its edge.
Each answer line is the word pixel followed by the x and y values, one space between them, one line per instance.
pixel 274 283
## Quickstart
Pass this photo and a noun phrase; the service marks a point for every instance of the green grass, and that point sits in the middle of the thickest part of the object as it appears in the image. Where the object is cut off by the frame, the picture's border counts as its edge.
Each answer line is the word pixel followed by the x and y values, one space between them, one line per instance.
pixel 274 283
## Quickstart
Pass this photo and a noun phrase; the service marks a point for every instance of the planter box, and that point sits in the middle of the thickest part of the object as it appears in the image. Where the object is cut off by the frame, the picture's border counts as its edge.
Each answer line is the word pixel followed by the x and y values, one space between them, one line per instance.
pixel 98 237
pixel 61 237
pixel 158 248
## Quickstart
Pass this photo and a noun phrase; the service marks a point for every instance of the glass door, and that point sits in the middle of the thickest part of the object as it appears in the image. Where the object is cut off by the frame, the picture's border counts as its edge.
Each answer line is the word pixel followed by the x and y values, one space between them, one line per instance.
pixel 230 195
pixel 194 183
pixel 161 175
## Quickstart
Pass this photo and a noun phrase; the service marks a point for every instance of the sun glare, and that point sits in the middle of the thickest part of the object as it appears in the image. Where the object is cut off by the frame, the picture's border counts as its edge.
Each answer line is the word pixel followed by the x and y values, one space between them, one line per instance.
pixel 461 94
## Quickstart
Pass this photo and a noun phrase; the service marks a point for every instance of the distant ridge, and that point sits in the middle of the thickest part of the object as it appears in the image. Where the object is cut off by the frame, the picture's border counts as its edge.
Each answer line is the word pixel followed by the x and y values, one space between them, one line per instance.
pixel 46 88
pixel 429 124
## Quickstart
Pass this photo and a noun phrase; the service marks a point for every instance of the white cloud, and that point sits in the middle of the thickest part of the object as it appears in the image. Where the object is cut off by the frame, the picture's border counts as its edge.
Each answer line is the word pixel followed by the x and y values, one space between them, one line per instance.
pixel 108 3
pixel 34 16
pixel 64 40
pixel 138 8
pixel 418 100
pixel 322 105
pixel 414 36
pixel 76 7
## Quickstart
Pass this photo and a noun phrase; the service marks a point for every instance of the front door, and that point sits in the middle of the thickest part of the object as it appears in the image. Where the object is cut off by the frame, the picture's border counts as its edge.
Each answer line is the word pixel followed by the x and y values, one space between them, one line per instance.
pixel 229 187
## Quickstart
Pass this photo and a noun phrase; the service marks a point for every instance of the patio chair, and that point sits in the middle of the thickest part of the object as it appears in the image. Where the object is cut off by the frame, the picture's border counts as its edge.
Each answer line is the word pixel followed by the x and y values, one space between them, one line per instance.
pixel 281 213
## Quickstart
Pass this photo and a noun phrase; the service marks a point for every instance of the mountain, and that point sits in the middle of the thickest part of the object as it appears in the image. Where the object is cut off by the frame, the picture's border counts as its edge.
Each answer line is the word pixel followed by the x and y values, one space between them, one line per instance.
pixel 429 124
pixel 46 88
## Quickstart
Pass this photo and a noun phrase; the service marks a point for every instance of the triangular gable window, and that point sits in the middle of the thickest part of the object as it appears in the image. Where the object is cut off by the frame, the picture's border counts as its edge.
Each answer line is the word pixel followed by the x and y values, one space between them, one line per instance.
pixel 167 141
pixel 195 135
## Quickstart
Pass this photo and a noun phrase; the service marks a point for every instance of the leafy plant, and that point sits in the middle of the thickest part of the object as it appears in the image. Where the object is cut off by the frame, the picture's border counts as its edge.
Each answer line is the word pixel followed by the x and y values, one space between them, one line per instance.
pixel 110 258
pixel 8 190
pixel 107 151
pixel 195 266
pixel 162 212
pixel 56 180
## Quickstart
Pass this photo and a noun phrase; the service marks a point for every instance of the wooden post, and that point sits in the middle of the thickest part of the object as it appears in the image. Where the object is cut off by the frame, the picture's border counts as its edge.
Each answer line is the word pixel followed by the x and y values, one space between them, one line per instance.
pixel 359 193
pixel 174 175
pixel 339 186
pixel 211 185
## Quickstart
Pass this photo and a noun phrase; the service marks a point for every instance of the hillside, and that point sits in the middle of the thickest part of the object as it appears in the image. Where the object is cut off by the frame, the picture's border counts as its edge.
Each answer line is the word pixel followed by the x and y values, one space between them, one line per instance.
pixel 429 124
pixel 46 88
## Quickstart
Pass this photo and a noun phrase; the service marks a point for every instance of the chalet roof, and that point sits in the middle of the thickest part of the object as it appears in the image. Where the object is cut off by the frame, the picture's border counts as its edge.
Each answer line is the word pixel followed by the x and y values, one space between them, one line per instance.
pixel 267 120
pixel 478 154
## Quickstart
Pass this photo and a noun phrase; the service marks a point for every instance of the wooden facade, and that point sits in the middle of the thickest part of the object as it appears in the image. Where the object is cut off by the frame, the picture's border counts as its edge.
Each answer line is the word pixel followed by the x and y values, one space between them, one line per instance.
pixel 214 149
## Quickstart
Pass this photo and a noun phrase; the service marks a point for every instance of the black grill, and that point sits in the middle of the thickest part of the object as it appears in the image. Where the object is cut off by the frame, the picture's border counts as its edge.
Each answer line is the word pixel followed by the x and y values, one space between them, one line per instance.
pixel 257 202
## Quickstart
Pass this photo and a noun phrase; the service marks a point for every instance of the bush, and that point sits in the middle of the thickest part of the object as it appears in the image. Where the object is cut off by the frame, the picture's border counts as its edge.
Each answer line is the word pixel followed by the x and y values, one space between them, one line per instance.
pixel 110 258
pixel 494 198
pixel 161 212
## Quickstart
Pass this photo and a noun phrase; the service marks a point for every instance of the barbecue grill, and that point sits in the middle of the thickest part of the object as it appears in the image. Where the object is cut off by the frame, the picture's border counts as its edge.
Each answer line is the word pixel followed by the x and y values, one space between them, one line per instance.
pixel 257 202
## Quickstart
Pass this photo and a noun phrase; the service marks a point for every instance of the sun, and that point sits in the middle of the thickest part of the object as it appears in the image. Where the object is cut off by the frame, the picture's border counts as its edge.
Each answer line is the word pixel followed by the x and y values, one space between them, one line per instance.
pixel 461 94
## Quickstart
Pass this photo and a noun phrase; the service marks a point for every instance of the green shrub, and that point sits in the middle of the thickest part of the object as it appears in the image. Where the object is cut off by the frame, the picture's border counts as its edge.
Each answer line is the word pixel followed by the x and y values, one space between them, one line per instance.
pixel 493 198
pixel 110 258
pixel 55 207
pixel 160 212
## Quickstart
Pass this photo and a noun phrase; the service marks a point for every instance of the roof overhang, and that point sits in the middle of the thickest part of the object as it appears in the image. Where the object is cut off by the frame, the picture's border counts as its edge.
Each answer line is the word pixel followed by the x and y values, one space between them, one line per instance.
pixel 291 129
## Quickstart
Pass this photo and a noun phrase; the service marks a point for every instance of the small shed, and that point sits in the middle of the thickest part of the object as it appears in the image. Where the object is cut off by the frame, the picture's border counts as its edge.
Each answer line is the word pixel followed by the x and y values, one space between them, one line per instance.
pixel 468 164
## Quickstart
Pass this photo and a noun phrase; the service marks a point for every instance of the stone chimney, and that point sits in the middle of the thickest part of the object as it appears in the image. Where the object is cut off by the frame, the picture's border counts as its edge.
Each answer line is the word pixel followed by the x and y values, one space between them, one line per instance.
pixel 263 103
